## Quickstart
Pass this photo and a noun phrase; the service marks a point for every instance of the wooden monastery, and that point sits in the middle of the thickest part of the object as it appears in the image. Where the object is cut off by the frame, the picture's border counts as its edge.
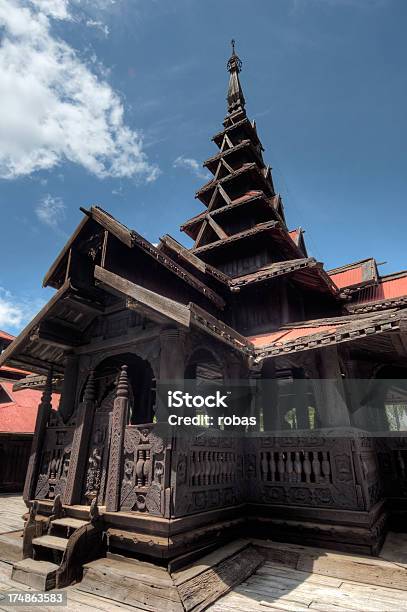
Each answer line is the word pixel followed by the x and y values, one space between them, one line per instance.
pixel 244 303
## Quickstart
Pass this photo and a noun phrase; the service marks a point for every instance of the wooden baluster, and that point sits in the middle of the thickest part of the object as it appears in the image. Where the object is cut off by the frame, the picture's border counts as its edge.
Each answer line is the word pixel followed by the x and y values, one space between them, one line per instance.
pixel 264 466
pixel 281 467
pixel 273 467
pixel 297 467
pixel 316 466
pixel 147 468
pixel 228 467
pixel 198 467
pixel 326 467
pixel 222 468
pixel 307 467
pixel 207 468
pixel 212 467
pixel 192 469
pixel 289 467
pixel 218 468
pixel 139 468
pixel 402 464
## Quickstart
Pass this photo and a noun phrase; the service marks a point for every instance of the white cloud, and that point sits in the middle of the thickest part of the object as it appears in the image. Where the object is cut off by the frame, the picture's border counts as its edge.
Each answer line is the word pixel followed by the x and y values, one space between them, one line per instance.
pixel 11 312
pixel 54 108
pixel 51 211
pixel 192 165
pixel 15 312
pixel 98 25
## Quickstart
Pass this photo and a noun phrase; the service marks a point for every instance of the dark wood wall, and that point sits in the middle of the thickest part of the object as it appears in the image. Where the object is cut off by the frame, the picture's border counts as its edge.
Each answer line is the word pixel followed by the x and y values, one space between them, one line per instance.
pixel 14 455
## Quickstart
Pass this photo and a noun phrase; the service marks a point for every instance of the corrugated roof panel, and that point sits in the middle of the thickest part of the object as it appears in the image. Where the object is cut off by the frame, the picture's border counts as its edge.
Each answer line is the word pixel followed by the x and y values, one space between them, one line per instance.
pixel 385 290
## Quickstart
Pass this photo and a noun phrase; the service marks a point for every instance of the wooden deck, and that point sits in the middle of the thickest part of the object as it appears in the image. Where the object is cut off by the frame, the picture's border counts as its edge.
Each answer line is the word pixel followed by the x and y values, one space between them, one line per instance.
pixel 12 509
pixel 278 587
pixel 273 587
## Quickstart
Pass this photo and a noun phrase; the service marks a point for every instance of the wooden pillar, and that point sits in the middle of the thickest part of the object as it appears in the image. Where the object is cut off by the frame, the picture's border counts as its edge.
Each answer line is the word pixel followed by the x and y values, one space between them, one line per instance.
pixel 119 416
pixel 269 397
pixel 43 413
pixel 301 400
pixel 80 444
pixel 332 408
pixel 172 355
pixel 68 395
pixel 172 366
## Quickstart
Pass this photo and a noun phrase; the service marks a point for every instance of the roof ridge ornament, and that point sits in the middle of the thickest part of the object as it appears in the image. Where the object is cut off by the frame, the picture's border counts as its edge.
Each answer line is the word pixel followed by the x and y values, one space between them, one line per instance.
pixel 235 95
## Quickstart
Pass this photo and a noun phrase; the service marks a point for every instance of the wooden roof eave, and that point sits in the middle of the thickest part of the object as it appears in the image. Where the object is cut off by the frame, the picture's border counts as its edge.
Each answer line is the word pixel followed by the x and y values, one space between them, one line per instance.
pixel 248 167
pixel 132 239
pixel 99 215
pixel 190 258
pixel 244 123
pixel 10 354
pixel 289 267
pixel 352 332
pixel 161 309
pixel 244 144
pixel 195 221
pixel 259 228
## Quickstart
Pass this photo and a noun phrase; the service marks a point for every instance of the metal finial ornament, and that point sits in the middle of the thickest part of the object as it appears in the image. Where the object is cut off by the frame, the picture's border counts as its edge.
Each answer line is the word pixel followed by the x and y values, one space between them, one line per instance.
pixel 234 64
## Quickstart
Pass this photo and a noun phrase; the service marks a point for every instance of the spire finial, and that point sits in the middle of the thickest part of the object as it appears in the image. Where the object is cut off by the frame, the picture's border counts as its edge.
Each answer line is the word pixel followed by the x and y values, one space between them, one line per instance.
pixel 235 97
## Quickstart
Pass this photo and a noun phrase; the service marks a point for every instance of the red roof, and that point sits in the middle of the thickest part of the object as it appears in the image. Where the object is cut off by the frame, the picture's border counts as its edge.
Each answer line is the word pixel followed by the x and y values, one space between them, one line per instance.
pixel 386 289
pixel 294 235
pixel 347 278
pixel 5 336
pixel 6 369
pixel 285 335
pixel 20 413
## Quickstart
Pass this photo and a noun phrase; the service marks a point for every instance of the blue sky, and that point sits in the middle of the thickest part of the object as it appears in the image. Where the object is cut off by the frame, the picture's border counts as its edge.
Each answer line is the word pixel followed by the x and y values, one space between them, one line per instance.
pixel 114 103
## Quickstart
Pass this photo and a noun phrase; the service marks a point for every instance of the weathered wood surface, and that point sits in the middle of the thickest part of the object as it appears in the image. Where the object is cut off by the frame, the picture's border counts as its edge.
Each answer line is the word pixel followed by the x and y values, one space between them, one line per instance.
pixel 343 566
pixel 12 508
pixel 278 587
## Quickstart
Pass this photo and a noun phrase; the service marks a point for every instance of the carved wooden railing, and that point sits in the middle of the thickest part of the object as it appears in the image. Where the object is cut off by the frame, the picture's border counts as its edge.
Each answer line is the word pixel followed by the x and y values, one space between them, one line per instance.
pixel 312 470
pixel 207 471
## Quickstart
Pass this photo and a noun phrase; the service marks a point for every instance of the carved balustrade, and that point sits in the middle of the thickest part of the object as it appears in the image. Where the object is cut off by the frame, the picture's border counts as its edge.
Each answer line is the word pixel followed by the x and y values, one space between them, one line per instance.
pixel 207 471
pixel 313 471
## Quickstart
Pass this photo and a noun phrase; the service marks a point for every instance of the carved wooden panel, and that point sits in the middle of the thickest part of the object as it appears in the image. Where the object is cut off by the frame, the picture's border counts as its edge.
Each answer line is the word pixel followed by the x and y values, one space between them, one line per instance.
pixel 55 458
pixel 144 466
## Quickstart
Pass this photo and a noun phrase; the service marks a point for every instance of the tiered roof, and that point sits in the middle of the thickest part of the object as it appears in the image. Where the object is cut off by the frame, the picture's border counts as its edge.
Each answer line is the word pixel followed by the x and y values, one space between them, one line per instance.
pixel 240 200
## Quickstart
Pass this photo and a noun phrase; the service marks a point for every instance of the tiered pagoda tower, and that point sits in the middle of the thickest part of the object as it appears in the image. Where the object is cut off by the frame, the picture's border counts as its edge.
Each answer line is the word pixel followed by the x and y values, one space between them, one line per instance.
pixel 243 231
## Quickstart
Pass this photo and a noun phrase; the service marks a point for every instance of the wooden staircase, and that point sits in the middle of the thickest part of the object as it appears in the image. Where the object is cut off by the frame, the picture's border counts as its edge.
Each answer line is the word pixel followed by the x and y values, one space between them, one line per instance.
pixel 55 549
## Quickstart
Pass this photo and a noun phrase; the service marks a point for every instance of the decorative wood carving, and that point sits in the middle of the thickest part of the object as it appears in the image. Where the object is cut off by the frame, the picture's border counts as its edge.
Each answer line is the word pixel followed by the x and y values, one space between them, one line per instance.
pixel 80 443
pixel 43 414
pixel 119 415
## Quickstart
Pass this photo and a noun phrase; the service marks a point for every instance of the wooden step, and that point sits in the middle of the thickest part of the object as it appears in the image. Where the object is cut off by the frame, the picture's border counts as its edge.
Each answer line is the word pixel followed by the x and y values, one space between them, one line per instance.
pixel 50 541
pixel 11 546
pixel 69 521
pixel 151 587
pixel 37 574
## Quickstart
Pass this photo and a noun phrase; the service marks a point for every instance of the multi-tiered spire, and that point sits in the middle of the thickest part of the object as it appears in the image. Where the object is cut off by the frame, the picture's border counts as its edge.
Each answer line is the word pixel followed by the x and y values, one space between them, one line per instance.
pixel 240 200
